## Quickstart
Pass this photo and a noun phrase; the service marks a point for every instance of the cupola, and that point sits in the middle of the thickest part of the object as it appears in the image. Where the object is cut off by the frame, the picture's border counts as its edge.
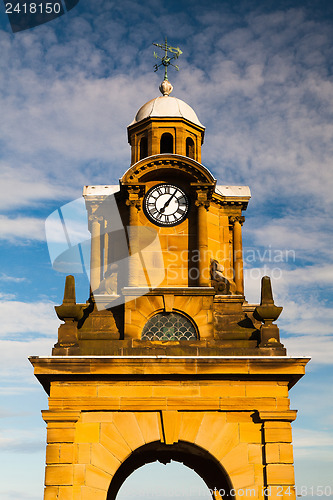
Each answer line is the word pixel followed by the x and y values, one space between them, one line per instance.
pixel 165 125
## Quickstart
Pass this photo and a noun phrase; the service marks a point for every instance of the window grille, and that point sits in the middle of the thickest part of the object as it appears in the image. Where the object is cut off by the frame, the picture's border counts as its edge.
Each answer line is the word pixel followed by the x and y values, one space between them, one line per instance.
pixel 168 326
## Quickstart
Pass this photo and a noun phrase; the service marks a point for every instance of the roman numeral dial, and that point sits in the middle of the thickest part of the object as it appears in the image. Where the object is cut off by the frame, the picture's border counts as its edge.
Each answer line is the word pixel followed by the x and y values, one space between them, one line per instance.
pixel 166 205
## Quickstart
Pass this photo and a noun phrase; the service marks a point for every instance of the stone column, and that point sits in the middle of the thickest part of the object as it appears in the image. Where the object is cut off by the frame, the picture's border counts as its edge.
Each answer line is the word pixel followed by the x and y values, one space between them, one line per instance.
pixel 278 454
pixel 106 248
pixel 203 203
pixel 238 253
pixel 61 473
pixel 134 203
pixel 95 257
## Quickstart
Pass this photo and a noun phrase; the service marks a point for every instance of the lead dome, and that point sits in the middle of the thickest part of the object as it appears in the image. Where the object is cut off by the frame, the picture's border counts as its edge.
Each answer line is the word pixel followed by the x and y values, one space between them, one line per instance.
pixel 168 107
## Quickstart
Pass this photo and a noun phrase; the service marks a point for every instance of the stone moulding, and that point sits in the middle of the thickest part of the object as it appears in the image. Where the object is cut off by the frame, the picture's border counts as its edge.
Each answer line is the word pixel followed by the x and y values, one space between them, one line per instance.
pixel 290 369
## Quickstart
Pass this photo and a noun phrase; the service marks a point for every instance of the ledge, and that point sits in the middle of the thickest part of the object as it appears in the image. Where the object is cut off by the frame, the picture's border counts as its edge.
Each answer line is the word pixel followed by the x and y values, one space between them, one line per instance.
pixel 284 368
pixel 172 290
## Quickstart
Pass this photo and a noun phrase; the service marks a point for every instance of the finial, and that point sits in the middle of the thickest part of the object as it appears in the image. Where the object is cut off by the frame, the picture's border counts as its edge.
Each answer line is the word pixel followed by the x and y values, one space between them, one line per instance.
pixel 166 87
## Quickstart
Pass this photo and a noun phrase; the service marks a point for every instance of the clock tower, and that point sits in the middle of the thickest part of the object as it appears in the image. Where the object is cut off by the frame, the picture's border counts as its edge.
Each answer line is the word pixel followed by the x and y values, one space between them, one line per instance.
pixel 167 360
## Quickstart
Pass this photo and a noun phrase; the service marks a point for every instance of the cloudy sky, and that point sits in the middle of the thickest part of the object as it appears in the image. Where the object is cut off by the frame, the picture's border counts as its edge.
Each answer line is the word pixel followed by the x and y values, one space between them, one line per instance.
pixel 259 75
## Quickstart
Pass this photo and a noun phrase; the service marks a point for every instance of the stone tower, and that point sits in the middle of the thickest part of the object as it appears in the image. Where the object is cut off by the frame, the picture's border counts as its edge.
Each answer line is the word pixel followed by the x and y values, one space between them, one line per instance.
pixel 167 360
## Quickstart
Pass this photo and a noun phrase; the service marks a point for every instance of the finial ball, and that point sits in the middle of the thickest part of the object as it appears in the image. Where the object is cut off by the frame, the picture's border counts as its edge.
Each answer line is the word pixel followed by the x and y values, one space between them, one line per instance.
pixel 166 87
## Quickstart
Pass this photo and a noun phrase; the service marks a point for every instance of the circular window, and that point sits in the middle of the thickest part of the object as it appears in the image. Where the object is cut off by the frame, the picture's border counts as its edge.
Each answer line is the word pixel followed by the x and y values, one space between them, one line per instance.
pixel 168 326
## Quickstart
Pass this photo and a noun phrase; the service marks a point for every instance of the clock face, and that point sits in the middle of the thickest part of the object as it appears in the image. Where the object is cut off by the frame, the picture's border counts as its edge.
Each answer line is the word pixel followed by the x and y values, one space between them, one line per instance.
pixel 166 205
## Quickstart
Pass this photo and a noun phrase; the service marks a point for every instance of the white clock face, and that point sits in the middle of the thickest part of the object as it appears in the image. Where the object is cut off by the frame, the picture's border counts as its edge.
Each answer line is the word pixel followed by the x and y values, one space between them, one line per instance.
pixel 166 205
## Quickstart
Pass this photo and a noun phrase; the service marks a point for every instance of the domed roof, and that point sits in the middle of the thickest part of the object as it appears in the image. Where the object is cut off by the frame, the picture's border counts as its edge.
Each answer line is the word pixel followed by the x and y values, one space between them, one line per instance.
pixel 166 106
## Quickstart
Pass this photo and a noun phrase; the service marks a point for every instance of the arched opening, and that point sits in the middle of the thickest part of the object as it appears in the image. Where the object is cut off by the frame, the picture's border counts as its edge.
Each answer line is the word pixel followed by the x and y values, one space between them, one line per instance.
pixel 166 144
pixel 190 147
pixel 143 148
pixel 169 326
pixel 164 481
pixel 191 455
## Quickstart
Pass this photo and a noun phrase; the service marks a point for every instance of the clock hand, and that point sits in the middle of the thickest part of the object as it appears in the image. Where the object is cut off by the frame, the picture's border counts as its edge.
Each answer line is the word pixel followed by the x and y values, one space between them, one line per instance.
pixel 167 203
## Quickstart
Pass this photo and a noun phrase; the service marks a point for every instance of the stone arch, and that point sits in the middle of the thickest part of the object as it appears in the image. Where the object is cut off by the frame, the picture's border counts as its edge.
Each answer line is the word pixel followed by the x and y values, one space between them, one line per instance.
pixel 191 455
pixel 175 317
pixel 106 440
pixel 147 169
pixel 146 306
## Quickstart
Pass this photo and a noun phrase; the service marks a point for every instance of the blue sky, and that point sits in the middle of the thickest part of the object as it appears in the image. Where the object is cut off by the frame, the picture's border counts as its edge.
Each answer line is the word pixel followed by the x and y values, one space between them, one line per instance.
pixel 259 76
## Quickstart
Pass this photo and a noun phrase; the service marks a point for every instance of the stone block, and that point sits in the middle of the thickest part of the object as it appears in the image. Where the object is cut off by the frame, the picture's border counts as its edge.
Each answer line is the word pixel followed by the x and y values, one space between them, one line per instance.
pixel 56 475
pixel 255 453
pixel 87 433
pixel 280 474
pixel 51 493
pixel 103 459
pixel 177 242
pixel 75 391
pixel 250 432
pixel 193 404
pixel 144 391
pixel 266 390
pixel 223 391
pixel 89 493
pixel 286 453
pixel 247 403
pixel 276 432
pixel 239 416
pixel 96 416
pixel 226 441
pixel 66 493
pixel 142 403
pixel 114 441
pixel 210 429
pixel 189 425
pixel 237 458
pixel 60 435
pixel 243 477
pixel 279 453
pixel 281 493
pixel 53 454
pixel 149 425
pixel 207 303
pixel 259 478
pixel 128 427
pixel 175 391
pixel 170 426
pixel 272 452
pixel 97 478
pixel 79 474
pixel 66 453
pixel 83 452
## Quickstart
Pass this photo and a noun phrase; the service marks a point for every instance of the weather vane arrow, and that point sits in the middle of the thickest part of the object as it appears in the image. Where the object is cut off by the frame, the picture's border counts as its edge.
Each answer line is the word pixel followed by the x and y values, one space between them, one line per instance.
pixel 166 59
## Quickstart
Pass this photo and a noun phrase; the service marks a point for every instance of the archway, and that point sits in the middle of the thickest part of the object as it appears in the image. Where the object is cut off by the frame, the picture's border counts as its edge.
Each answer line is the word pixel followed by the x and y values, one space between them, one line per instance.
pixel 191 455
pixel 164 482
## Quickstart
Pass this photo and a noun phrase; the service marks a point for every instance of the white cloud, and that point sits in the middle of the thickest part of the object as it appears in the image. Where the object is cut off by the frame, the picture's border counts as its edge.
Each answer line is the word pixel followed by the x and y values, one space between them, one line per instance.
pixel 306 235
pixel 22 441
pixel 313 443
pixel 23 185
pixel 262 101
pixel 16 366
pixel 11 390
pixel 14 229
pixel 7 296
pixel 14 279
pixel 22 318
pixel 320 349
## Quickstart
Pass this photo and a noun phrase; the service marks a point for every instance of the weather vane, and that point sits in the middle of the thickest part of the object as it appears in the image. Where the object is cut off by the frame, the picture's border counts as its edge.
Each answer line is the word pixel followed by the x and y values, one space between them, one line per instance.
pixel 166 60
